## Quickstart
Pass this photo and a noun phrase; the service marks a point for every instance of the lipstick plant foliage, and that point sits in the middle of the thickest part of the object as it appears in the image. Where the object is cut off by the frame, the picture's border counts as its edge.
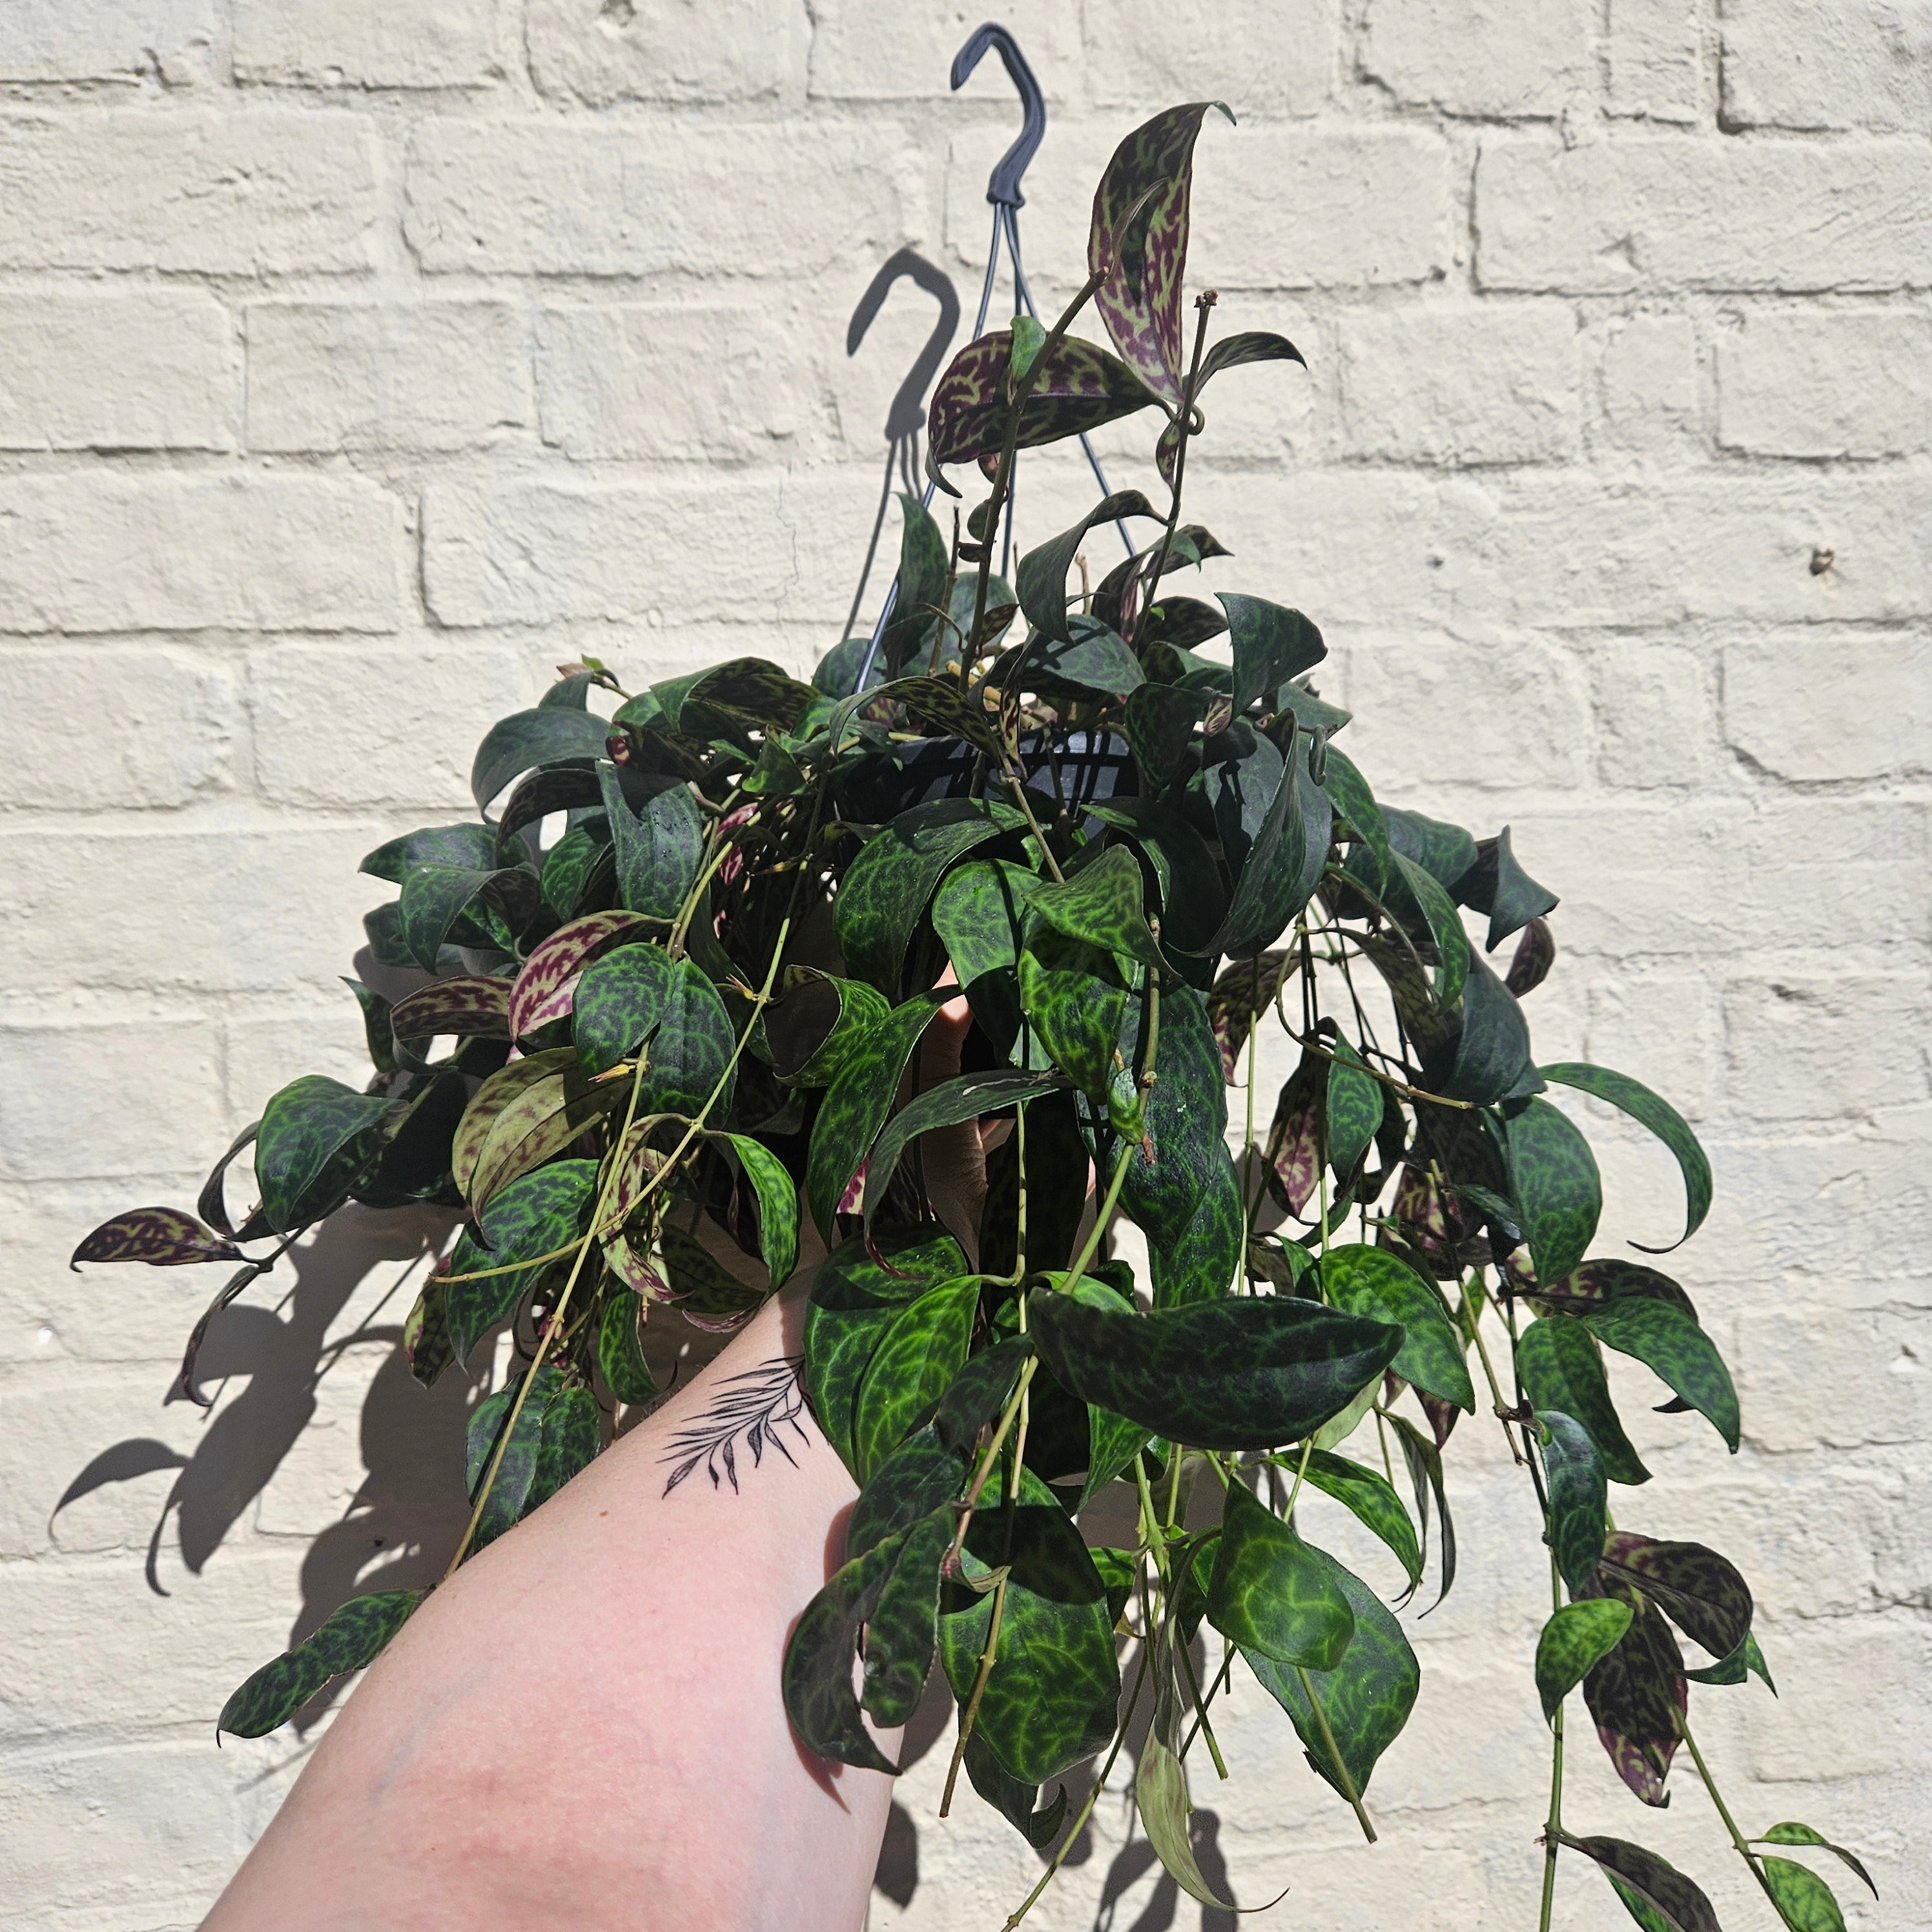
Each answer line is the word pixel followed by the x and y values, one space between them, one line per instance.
pixel 1133 830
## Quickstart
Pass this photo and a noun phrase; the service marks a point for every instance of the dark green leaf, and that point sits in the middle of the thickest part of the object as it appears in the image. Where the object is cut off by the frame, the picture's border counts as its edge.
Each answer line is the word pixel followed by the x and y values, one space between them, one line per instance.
pixel 1445 852
pixel 1012 1798
pixel 1424 1459
pixel 1193 903
pixel 620 1350
pixel 1497 885
pixel 543 1211
pixel 1579 1496
pixel 1670 1342
pixel 980 1391
pixel 1635 1873
pixel 1573 1641
pixel 856 1104
pixel 1092 660
pixel 1370 1498
pixel 1367 1698
pixel 545 989
pixel 922 1352
pixel 977 913
pixel 1282 866
pixel 619 1002
pixel 1491 1061
pixel 902 1628
pixel 1663 1120
pixel 1560 1370
pixel 1040 582
pixel 817 1676
pixel 1138 237
pixel 924 566
pixel 1803 1834
pixel 1445 928
pixel 1636 1694
pixel 691 1051
pixel 659 836
pixel 1160 722
pixel 890 883
pixel 777 1206
pixel 1271 644
pixel 447 905
pixel 1075 997
pixel 568 1442
pixel 1354 1109
pixel 1596 1283
pixel 467 847
pixel 1804 1900
pixel 354 1636
pixel 965 1097
pixel 315 1135
pixel 1272 1593
pixel 1246 1374
pixel 1553 1179
pixel 811 1031
pixel 1373 1282
pixel 916 1478
pixel 1101 904
pixel 536 737
pixel 1746 1661
pixel 1077 387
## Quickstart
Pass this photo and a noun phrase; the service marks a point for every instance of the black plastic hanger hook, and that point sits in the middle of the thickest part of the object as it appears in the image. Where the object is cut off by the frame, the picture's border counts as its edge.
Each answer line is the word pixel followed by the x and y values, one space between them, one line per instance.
pixel 1004 186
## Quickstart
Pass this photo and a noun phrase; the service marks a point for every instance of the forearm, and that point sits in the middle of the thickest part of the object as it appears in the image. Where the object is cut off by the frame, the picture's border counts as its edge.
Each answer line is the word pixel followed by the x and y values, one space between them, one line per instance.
pixel 584 1727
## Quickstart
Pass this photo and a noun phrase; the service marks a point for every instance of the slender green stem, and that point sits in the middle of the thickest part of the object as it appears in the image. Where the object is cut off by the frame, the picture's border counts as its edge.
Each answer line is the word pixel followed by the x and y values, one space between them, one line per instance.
pixel 987 1460
pixel 972 1710
pixel 1203 304
pixel 1301 1470
pixel 1150 1530
pixel 1552 1830
pixel 1202 1724
pixel 1348 1790
pixel 1321 1052
pixel 1744 1849
pixel 1089 1246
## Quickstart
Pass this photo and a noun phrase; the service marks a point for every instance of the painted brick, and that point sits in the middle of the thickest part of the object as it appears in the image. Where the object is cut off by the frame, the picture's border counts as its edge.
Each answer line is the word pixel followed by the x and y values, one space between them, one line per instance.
pixel 334 725
pixel 1680 1062
pixel 101 551
pixel 1655 59
pixel 601 54
pixel 1654 719
pixel 107 40
pixel 1810 1048
pixel 536 551
pixel 1673 211
pixel 156 370
pixel 1793 383
pixel 875 50
pixel 1859 63
pixel 1647 395
pixel 673 379
pixel 433 375
pixel 269 192
pixel 407 43
pixel 150 727
pixel 1835 707
pixel 1289 51
pixel 1488 58
pixel 541 197
pixel 1491 384
pixel 71 1108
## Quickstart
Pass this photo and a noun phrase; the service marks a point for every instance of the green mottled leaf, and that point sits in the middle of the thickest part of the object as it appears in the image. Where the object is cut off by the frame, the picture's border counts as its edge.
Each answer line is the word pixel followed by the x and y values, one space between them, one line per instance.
pixel 1444 852
pixel 812 1029
pixel 691 1050
pixel 1101 904
pixel 1077 387
pixel 1803 1834
pixel 917 1477
pixel 620 1001
pixel 777 1206
pixel 1573 1641
pixel 1138 237
pixel 1747 1660
pixel 1579 1496
pixel 467 847
pixel 546 1209
pixel 568 1442
pixel 162 1237
pixel 316 1135
pixel 965 1097
pixel 1355 802
pixel 1091 661
pixel 1369 1497
pixel 925 564
pixel 1560 1370
pixel 450 905
pixel 658 834
pixel 857 1103
pixel 1271 1592
pixel 902 1629
pixel 1670 1342
pixel 536 1121
pixel 426 1333
pixel 1245 1374
pixel 1423 1460
pixel 1804 1900
pixel 817 1674
pixel 546 988
pixel 354 1636
pixel 1160 722
pixel 1040 582
pixel 1354 1109
pixel 921 1351
pixel 1012 1798
pixel 1553 1179
pixel 541 737
pixel 1373 1282
pixel 1075 997
pixel 620 1348
pixel 1193 902
pixel 1271 644
pixel 1367 1698
pixel 1497 885
pixel 1445 928
pixel 1641 1878
pixel 1054 1693
pixel 978 912
pixel 1662 1119
pixel 886 892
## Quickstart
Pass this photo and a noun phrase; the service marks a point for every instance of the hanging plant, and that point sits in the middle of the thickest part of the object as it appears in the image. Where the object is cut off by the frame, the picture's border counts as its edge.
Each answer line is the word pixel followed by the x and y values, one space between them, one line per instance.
pixel 1133 853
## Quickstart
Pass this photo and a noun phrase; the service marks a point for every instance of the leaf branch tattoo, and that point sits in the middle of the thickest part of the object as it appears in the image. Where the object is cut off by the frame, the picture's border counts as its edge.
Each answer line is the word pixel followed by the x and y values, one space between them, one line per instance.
pixel 760 1404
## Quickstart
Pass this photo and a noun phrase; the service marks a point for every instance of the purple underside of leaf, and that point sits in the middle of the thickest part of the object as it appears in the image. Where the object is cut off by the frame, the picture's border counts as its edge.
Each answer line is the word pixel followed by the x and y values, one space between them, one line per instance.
pixel 543 988
pixel 1078 386
pixel 161 1237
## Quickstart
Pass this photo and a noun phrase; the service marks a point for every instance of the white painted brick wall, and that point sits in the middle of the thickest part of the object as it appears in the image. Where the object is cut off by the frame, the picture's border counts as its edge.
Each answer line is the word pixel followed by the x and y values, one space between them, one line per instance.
pixel 360 362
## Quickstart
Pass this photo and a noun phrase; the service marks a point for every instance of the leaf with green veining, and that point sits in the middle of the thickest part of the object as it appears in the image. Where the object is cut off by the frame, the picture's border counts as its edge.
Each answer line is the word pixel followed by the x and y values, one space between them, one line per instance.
pixel 917 1477
pixel 1271 1592
pixel 545 988
pixel 1193 901
pixel 450 905
pixel 978 912
pixel 1804 1900
pixel 691 1051
pixel 567 1444
pixel 1573 1641
pixel 777 1206
pixel 1373 1282
pixel 1075 997
pixel 538 736
pixel 888 887
pixel 1445 928
pixel 620 1348
pixel 1636 1873
pixel 315 1135
pixel 1670 1342
pixel 1553 1179
pixel 1497 885
pixel 1101 904
pixel 1271 645
pixel 902 1629
pixel 1365 1698
pixel 1804 1834
pixel 162 1237
pixel 352 1636
pixel 659 835
pixel 1369 1497
pixel 921 1352
pixel 1040 582
pixel 1560 1370
pixel 469 848
pixel 1235 1374
pixel 812 1030
pixel 925 564
pixel 817 1673
pixel 1701 1592
pixel 964 1098
pixel 1579 1496
pixel 1663 1120
pixel 620 1002
pixel 541 1211
pixel 1160 722
pixel 1354 1108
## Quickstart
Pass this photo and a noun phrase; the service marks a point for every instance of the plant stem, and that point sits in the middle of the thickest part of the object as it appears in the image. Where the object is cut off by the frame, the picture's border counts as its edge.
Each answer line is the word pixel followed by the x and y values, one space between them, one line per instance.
pixel 972 1710
pixel 1321 1052
pixel 1555 1826
pixel 1091 1244
pixel 1203 304
pixel 986 1462
pixel 1744 1850
pixel 1202 1724
pixel 1334 1754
